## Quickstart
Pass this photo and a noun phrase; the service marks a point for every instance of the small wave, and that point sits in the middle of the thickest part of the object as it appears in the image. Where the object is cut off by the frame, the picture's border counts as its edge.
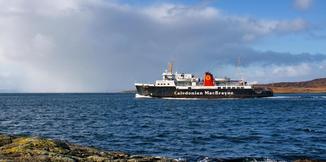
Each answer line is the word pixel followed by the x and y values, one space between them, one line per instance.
pixel 283 97
pixel 318 97
pixel 142 96
pixel 254 159
pixel 305 129
pixel 323 97
pixel 248 159
pixel 173 98
pixel 313 97
pixel 294 97
pixel 297 97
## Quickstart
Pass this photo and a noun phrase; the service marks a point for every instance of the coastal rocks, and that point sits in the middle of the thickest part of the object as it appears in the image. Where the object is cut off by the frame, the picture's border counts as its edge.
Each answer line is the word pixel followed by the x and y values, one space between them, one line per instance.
pixel 23 148
pixel 4 140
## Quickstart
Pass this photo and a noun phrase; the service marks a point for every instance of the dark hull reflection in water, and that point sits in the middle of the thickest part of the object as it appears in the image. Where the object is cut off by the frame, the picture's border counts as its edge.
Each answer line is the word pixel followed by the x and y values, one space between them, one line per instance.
pixel 284 127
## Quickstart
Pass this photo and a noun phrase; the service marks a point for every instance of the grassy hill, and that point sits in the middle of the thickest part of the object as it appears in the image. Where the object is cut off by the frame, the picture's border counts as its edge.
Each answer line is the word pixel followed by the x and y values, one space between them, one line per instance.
pixel 312 86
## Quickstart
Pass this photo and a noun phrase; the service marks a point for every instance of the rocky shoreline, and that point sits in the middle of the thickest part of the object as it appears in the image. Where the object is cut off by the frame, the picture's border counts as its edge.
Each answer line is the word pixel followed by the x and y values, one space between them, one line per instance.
pixel 25 148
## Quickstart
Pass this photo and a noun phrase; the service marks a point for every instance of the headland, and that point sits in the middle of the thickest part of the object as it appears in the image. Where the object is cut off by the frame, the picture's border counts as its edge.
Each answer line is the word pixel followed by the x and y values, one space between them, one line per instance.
pixel 311 86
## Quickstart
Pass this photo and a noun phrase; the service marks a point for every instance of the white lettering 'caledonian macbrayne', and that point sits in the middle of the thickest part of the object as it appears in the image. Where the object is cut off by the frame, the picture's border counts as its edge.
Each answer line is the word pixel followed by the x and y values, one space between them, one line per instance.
pixel 202 93
pixel 176 85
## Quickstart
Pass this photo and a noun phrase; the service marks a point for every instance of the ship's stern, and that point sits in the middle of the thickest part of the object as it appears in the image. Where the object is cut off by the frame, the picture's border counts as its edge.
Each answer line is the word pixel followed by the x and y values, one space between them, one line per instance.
pixel 263 92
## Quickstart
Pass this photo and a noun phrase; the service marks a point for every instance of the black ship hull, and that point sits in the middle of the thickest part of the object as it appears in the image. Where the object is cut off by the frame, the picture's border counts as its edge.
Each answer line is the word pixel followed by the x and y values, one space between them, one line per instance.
pixel 209 93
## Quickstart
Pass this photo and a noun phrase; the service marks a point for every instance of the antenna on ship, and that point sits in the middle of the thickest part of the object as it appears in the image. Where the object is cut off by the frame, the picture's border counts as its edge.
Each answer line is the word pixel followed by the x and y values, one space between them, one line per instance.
pixel 238 68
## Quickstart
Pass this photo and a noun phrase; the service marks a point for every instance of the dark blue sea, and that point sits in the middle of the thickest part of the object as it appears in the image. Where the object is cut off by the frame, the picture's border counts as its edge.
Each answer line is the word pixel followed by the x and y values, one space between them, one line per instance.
pixel 284 127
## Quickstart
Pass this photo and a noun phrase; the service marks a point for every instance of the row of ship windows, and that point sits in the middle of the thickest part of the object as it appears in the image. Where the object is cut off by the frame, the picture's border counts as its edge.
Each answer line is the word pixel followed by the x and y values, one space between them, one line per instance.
pixel 217 87
pixel 163 83
pixel 230 87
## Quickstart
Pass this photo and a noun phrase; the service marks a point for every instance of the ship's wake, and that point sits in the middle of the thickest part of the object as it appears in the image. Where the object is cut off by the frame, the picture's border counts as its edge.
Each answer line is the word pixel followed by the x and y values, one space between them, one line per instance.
pixel 142 96
pixel 297 97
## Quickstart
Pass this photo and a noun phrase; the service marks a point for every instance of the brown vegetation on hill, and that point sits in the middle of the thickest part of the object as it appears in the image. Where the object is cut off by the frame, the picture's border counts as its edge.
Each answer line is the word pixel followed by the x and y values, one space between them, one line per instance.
pixel 312 86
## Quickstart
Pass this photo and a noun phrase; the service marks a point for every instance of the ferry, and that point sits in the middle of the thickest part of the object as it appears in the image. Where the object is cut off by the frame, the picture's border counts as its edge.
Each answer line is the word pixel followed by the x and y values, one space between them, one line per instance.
pixel 181 85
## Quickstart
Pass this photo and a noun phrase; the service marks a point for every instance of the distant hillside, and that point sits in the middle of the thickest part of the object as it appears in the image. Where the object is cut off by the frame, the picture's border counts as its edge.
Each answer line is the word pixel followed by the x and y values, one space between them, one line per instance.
pixel 312 86
pixel 129 91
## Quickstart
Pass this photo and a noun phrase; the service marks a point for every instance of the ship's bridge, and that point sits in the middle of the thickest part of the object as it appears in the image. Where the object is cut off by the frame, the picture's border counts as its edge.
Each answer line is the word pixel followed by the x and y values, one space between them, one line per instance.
pixel 168 76
pixel 186 79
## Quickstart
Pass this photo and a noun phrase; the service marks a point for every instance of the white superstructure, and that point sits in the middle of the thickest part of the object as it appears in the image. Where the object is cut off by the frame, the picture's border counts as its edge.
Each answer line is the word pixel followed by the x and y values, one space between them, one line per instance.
pixel 184 80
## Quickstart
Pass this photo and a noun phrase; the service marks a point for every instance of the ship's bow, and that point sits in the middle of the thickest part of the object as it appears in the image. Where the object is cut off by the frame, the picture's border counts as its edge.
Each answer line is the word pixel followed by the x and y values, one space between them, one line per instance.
pixel 142 89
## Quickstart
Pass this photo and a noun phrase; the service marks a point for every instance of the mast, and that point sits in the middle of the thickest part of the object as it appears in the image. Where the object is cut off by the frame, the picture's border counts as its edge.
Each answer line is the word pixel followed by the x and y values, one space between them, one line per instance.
pixel 239 69
pixel 170 67
pixel 168 75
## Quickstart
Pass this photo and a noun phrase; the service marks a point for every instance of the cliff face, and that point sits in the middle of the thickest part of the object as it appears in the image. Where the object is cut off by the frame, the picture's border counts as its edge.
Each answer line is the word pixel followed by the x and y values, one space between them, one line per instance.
pixel 312 86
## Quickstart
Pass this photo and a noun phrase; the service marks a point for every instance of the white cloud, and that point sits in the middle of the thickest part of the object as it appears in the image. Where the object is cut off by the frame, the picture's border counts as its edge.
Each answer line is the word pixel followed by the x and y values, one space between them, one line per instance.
pixel 167 13
pixel 303 4
pixel 98 45
pixel 48 7
pixel 292 71
pixel 176 14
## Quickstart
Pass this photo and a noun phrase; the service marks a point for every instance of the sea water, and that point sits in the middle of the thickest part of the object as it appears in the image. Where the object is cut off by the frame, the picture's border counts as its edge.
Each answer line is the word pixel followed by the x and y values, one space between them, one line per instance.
pixel 284 127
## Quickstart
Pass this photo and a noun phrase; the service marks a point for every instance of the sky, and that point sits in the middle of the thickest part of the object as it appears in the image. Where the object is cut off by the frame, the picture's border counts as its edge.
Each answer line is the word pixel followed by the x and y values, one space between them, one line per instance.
pixel 108 45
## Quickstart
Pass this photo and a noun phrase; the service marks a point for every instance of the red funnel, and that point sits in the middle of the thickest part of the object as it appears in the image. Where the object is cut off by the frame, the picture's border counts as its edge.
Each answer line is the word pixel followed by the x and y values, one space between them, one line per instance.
pixel 209 79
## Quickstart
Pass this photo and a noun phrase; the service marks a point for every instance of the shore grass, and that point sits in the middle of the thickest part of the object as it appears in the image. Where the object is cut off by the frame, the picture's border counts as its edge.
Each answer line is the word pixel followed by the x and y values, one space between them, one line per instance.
pixel 25 148
pixel 289 90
